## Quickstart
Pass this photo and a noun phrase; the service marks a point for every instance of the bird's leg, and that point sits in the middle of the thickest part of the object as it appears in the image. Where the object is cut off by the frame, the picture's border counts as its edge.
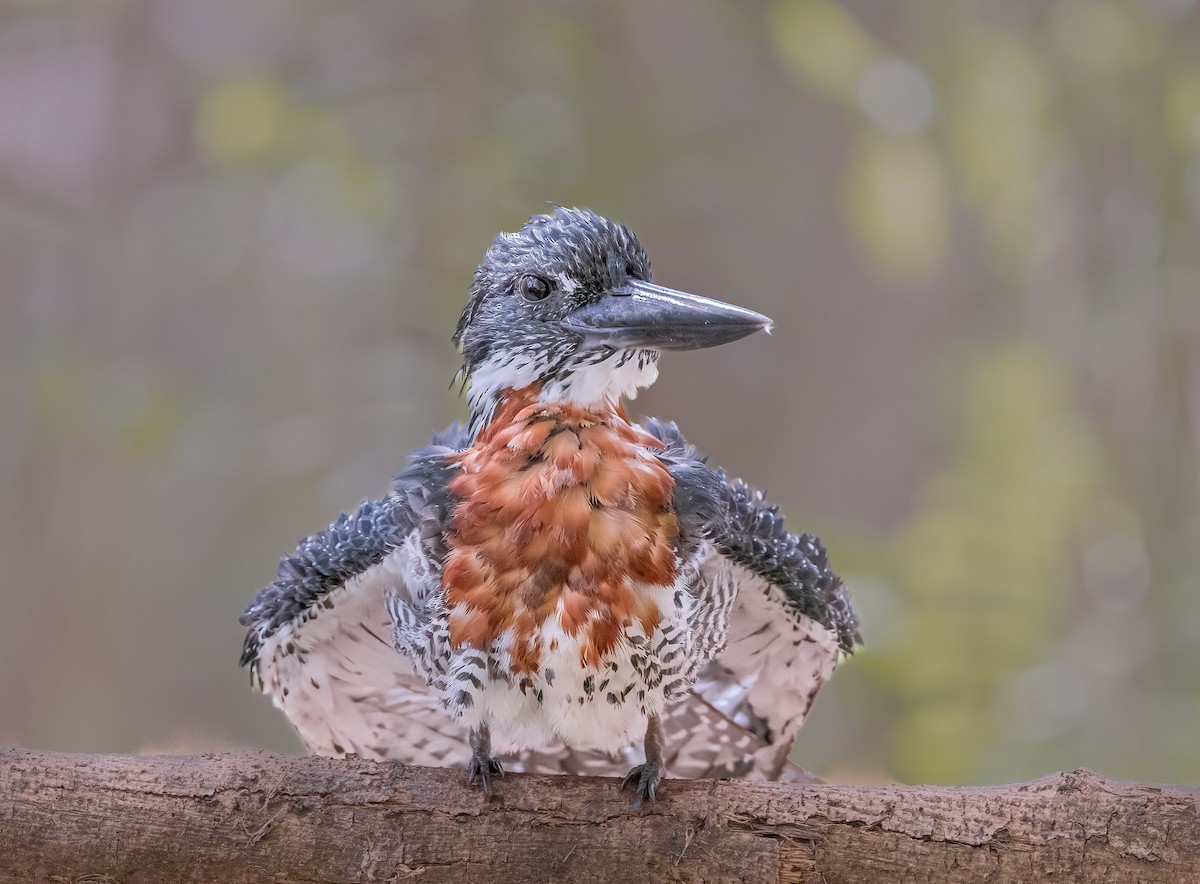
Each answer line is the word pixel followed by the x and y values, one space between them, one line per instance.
pixel 645 778
pixel 483 765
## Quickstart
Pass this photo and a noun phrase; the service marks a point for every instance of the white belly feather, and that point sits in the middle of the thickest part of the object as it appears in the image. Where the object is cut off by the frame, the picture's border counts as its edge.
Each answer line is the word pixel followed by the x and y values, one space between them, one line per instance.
pixel 564 701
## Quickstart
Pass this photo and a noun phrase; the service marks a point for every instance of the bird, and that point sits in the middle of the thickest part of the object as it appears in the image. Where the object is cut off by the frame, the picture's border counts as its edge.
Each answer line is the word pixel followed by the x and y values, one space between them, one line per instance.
pixel 550 586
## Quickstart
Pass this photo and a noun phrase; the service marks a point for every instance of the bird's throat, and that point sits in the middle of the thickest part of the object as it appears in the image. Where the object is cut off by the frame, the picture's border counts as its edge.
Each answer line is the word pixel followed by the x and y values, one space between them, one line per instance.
pixel 563 528
pixel 596 381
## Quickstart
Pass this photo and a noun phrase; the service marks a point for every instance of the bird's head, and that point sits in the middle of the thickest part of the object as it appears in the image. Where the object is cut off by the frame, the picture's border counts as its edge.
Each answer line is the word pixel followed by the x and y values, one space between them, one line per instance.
pixel 567 304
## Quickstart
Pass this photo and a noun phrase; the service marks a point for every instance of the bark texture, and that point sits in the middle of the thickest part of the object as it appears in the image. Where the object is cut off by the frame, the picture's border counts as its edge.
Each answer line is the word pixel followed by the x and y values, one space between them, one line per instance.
pixel 260 817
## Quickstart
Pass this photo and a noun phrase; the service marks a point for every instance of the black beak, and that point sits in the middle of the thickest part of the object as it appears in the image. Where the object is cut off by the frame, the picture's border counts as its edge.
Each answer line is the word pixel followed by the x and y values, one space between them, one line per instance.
pixel 641 314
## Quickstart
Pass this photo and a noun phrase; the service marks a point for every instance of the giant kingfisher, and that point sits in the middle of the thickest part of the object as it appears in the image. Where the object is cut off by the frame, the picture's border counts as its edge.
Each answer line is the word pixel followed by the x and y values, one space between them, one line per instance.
pixel 550 585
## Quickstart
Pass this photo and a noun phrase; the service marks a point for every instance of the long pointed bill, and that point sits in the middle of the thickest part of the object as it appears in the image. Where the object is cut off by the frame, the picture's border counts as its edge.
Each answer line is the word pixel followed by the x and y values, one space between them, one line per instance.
pixel 641 314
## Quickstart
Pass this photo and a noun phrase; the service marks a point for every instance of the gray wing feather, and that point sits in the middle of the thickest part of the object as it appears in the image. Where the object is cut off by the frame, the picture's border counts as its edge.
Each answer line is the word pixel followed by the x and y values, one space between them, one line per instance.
pixel 318 638
pixel 354 543
pixel 321 565
pixel 781 614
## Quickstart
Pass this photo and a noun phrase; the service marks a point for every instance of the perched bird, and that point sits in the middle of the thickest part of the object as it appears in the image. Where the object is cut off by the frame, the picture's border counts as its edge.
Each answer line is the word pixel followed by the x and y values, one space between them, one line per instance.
pixel 552 581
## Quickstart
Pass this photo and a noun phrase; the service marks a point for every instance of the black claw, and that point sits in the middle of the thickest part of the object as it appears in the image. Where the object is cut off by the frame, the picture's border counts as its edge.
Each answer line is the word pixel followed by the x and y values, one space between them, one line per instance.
pixel 645 779
pixel 483 765
pixel 482 768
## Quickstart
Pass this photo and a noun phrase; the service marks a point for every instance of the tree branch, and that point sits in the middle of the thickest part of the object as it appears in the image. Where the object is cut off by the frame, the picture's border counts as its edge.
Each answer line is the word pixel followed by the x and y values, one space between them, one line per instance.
pixel 260 817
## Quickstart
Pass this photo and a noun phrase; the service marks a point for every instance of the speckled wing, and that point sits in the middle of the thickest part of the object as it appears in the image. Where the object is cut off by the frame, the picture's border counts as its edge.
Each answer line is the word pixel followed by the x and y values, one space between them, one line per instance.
pixel 772 611
pixel 769 611
pixel 319 638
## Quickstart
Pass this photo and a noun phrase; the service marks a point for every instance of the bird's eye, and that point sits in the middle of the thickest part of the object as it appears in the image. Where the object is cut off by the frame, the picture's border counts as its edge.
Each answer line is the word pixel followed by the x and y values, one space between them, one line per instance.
pixel 533 288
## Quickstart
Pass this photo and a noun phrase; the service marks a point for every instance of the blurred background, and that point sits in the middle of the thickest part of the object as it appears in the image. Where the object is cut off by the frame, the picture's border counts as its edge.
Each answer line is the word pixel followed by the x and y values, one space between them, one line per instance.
pixel 234 238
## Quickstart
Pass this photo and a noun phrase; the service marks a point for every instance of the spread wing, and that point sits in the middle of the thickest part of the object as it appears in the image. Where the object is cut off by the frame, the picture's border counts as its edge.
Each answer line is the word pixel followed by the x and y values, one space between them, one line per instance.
pixel 788 618
pixel 319 638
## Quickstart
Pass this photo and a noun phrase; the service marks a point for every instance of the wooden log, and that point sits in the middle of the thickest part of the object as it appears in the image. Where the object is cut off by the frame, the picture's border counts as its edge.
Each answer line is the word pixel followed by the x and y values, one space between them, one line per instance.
pixel 251 816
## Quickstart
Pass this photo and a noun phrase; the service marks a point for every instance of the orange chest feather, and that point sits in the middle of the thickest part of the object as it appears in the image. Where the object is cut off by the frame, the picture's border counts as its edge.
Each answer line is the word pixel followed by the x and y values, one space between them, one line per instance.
pixel 564 516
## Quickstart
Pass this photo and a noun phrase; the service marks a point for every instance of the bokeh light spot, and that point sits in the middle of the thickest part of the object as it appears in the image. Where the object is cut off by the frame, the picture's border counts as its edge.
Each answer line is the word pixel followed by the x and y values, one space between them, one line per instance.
pixel 244 119
pixel 822 42
pixel 895 95
pixel 897 202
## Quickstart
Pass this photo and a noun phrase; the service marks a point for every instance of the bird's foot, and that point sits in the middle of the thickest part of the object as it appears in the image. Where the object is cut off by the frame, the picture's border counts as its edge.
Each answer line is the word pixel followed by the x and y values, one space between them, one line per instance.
pixel 644 780
pixel 483 768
